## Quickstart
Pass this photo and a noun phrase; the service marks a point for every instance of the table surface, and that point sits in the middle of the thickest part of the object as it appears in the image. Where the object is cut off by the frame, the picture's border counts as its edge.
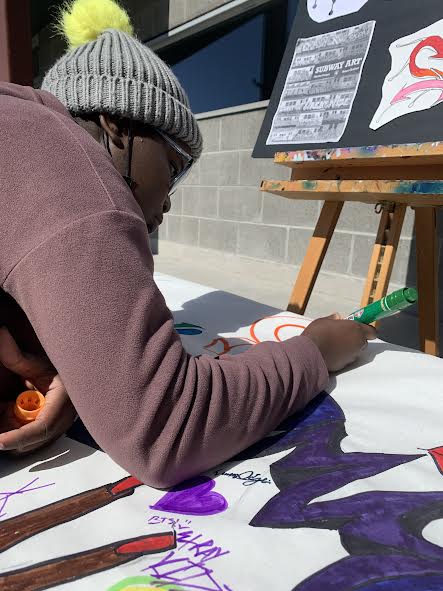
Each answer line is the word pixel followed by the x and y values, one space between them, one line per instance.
pixel 347 495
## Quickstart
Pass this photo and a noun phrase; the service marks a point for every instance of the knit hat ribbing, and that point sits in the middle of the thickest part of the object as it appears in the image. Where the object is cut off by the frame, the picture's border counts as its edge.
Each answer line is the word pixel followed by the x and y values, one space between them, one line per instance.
pixel 117 74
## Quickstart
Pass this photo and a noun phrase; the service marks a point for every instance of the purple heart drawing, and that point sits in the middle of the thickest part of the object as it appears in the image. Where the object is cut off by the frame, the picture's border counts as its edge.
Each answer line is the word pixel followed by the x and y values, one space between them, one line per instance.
pixel 193 497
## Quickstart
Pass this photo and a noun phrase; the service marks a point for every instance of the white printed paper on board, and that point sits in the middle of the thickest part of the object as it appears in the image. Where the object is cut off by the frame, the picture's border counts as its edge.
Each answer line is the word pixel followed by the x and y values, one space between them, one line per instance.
pixel 321 86
pixel 415 82
pixel 325 10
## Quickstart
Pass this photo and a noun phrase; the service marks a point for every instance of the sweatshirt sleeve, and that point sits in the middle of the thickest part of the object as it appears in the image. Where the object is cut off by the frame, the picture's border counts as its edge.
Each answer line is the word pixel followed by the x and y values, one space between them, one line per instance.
pixel 160 413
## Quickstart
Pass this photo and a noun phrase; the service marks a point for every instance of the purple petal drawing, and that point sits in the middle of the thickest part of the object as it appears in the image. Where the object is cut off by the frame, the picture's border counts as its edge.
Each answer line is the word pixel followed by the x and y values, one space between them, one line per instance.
pixel 193 497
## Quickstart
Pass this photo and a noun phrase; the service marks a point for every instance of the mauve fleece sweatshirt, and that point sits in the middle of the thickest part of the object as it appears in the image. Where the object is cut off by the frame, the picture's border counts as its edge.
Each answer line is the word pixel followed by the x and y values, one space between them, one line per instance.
pixel 75 257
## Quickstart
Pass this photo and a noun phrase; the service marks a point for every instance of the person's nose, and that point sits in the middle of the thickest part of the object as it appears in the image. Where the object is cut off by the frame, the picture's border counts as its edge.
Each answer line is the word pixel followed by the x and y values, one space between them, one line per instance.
pixel 167 204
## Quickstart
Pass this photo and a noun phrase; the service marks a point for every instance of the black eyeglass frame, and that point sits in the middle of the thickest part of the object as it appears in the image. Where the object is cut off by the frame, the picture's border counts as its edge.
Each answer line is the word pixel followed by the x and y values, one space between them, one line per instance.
pixel 189 161
pixel 175 179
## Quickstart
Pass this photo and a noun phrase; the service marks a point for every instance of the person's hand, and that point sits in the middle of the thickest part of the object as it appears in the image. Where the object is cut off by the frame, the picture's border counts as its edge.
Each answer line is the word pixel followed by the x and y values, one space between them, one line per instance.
pixel 56 416
pixel 340 341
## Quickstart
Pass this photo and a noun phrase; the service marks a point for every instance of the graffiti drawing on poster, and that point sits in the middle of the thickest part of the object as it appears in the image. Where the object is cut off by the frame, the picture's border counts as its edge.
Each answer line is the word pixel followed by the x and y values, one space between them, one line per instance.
pixel 415 82
pixel 197 563
pixel 321 86
pixel 381 530
pixel 325 10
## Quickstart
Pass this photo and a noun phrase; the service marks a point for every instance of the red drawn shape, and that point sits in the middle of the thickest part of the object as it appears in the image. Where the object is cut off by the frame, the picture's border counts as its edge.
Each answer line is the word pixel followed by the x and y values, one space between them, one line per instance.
pixel 436 454
pixel 152 543
pixel 125 485
pixel 434 42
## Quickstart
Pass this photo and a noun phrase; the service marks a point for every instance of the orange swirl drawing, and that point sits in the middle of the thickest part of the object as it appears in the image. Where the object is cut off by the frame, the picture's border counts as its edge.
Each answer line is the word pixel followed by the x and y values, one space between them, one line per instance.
pixel 252 331
pixel 253 339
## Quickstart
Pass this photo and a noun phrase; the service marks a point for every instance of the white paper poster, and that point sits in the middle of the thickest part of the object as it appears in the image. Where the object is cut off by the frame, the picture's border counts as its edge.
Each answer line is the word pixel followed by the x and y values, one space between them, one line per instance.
pixel 415 82
pixel 321 86
pixel 325 10
pixel 347 495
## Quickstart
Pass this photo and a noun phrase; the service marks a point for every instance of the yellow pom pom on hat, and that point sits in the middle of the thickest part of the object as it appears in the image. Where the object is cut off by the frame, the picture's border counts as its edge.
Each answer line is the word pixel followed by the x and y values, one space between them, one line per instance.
pixel 85 20
pixel 108 70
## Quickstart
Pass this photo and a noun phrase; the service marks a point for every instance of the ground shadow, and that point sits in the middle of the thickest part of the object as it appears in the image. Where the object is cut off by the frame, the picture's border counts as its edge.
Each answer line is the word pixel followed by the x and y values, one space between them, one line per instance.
pixel 226 313
pixel 59 453
pixel 222 311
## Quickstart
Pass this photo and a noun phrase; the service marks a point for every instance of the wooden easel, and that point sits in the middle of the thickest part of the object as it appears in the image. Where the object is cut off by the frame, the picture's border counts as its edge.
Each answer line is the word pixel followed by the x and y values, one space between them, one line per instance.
pixel 370 175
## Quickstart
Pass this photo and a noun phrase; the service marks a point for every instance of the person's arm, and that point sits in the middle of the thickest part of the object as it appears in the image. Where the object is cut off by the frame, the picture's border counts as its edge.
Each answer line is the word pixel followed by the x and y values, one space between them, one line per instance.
pixel 163 415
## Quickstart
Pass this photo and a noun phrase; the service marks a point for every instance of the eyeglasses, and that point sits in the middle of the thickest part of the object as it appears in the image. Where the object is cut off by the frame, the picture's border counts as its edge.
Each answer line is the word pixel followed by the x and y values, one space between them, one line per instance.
pixel 188 162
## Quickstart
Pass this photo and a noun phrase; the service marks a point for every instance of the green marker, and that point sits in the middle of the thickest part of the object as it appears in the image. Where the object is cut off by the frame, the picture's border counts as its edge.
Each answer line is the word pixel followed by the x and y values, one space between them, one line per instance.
pixel 389 305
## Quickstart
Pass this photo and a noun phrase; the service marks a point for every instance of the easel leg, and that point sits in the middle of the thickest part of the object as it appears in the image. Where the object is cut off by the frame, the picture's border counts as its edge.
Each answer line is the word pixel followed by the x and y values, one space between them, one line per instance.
pixel 315 254
pixel 427 278
pixel 383 255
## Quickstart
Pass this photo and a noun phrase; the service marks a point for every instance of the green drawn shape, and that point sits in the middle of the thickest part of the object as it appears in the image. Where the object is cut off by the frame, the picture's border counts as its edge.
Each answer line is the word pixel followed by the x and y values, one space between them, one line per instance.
pixel 143 583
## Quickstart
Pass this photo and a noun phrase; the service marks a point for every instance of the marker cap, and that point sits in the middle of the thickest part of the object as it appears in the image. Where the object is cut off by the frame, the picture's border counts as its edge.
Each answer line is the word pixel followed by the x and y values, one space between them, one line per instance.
pixel 410 294
pixel 27 406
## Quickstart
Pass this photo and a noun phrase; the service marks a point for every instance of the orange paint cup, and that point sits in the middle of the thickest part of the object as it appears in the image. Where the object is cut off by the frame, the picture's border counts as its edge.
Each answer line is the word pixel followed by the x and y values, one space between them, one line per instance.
pixel 28 405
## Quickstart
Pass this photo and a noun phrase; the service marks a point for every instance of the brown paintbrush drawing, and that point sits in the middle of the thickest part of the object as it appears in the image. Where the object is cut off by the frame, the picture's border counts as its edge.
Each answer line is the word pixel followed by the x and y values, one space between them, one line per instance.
pixel 75 566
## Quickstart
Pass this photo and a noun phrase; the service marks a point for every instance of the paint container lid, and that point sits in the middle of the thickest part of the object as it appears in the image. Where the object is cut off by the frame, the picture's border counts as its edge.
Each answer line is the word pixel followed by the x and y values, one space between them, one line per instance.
pixel 28 405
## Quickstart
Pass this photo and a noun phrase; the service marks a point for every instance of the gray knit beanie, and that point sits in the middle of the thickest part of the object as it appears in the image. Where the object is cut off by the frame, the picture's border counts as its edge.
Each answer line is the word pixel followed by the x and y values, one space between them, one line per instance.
pixel 107 70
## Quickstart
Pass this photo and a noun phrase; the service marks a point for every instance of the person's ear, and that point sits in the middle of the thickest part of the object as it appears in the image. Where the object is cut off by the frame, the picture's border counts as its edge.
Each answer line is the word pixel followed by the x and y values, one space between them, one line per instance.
pixel 115 133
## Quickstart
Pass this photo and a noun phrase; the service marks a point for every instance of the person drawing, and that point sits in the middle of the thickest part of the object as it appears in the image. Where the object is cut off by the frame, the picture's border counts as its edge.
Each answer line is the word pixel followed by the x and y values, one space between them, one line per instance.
pixel 88 167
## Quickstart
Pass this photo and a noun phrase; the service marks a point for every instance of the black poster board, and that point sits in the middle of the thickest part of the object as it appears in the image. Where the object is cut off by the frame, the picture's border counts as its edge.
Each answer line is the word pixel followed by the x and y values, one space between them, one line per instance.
pixel 394 19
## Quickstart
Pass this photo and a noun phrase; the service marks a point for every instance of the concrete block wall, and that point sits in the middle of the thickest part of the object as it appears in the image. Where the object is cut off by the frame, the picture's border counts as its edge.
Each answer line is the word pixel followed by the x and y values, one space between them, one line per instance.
pixel 220 207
